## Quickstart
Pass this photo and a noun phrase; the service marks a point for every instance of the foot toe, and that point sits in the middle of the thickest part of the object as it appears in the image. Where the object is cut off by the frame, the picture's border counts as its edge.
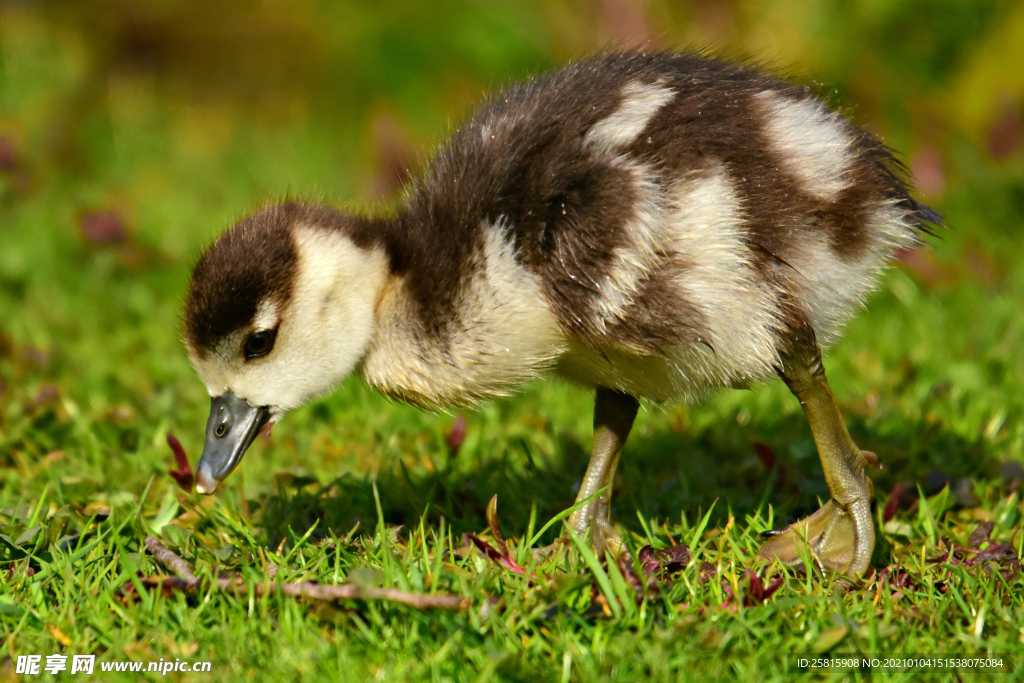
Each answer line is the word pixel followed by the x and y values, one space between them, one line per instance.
pixel 871 459
pixel 830 536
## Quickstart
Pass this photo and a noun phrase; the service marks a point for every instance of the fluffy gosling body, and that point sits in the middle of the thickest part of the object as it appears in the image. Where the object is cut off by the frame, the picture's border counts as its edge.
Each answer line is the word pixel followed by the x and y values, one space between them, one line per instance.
pixel 651 225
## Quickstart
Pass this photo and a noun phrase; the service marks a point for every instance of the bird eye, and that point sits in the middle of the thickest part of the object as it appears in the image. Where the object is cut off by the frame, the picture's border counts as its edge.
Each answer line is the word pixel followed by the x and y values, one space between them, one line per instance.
pixel 259 344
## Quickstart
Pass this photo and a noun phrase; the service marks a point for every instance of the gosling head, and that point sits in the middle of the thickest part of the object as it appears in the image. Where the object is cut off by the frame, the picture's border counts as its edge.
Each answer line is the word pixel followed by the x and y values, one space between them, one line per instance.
pixel 280 309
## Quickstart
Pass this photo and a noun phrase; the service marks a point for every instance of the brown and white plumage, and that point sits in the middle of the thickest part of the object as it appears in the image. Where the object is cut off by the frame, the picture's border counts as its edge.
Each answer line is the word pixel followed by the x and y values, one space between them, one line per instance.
pixel 652 224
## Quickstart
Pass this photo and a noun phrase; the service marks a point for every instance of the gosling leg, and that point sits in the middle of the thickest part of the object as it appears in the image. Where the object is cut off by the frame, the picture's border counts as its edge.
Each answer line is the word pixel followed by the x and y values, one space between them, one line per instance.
pixel 840 535
pixel 614 412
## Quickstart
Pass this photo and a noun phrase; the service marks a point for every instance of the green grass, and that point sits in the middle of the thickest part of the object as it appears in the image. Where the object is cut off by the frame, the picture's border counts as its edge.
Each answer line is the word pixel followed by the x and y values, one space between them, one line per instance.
pixel 93 376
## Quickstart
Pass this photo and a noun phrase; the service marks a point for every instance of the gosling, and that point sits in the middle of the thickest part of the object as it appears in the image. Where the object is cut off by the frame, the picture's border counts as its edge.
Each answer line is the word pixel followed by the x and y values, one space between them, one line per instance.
pixel 649 225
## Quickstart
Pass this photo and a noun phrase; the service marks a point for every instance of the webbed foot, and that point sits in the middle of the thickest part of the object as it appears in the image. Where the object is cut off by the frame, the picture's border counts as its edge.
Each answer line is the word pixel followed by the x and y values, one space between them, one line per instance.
pixel 839 538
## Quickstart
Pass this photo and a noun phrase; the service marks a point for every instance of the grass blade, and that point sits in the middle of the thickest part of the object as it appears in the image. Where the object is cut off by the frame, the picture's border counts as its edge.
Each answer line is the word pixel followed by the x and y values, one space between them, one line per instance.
pixel 603 582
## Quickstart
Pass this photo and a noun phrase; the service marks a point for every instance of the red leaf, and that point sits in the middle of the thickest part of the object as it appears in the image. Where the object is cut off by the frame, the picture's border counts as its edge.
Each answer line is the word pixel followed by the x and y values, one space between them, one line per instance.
pixel 455 436
pixel 899 497
pixel 757 593
pixel 12 569
pixel 625 565
pixel 891 505
pixel 395 154
pixel 665 561
pixel 756 590
pixel 47 393
pixel 495 525
pixel 981 535
pixel 1007 132
pixel 765 453
pixel 926 267
pixel 646 558
pixel 103 227
pixel 673 559
pixel 500 555
pixel 183 475
pixel 774 586
pixel 9 160
pixel 995 551
pixel 928 170
pixel 266 431
pixel 492 554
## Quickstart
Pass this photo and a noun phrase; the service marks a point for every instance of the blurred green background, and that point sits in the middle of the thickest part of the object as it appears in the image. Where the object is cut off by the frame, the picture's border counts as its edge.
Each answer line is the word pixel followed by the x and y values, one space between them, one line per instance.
pixel 131 134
